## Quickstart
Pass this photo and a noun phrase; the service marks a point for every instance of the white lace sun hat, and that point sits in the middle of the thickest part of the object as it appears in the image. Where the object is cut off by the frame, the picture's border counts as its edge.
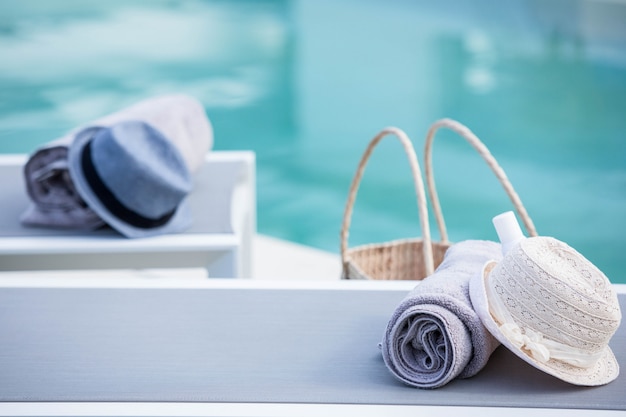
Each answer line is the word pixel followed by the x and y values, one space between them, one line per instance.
pixel 550 306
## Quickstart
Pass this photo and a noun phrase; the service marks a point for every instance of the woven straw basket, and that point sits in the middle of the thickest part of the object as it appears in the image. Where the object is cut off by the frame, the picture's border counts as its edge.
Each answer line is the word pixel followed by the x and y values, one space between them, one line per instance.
pixel 413 258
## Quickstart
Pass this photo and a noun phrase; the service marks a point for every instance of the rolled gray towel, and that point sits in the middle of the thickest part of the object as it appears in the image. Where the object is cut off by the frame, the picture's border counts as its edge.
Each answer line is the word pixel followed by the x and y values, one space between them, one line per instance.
pixel 435 335
pixel 54 200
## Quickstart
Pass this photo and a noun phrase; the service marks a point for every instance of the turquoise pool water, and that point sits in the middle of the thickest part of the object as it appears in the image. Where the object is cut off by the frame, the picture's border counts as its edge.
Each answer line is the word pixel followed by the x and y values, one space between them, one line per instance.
pixel 306 84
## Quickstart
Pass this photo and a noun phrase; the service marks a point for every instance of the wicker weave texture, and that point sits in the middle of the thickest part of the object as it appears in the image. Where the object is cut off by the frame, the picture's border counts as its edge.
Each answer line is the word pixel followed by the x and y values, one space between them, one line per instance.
pixel 394 260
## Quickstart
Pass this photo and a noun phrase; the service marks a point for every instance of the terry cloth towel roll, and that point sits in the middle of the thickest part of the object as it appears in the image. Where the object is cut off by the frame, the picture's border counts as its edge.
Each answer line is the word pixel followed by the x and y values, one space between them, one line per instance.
pixel 54 200
pixel 434 335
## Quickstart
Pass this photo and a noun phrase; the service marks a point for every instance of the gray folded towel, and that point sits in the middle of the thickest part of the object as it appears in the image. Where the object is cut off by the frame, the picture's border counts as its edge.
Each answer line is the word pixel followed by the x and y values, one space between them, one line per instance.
pixel 434 335
pixel 54 200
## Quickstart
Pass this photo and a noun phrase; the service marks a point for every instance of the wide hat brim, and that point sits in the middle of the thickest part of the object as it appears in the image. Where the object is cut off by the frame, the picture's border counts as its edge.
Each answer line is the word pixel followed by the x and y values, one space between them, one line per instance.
pixel 605 370
pixel 180 220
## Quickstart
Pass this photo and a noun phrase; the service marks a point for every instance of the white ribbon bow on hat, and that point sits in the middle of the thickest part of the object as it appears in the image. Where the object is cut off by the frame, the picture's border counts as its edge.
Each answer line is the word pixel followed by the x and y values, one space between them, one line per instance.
pixel 530 341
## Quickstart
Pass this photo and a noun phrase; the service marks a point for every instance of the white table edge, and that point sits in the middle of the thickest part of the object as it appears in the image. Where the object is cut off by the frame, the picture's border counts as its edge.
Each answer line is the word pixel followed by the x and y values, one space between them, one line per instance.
pixel 279 410
pixel 26 280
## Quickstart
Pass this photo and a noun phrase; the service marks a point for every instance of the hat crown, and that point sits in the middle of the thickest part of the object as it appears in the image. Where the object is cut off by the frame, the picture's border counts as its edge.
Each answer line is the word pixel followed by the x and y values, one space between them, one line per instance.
pixel 144 171
pixel 550 288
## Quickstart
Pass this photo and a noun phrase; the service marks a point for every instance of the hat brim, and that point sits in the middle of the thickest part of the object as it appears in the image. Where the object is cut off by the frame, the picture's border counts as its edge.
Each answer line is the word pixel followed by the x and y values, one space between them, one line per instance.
pixel 605 370
pixel 180 221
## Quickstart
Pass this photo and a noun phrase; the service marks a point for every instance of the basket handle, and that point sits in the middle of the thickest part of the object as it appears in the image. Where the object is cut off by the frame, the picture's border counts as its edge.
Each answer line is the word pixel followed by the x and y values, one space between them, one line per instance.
pixel 419 189
pixel 487 156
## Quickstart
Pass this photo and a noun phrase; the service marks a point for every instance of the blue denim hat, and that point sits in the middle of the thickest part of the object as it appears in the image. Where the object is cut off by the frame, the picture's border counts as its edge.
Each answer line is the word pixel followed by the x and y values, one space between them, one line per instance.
pixel 133 177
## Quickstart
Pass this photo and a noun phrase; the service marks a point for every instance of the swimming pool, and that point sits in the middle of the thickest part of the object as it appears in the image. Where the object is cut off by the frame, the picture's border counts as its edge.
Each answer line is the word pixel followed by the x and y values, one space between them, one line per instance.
pixel 306 84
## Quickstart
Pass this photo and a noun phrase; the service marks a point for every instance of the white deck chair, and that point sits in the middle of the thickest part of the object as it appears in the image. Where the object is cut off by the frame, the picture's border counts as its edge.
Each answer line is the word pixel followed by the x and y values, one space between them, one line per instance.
pixel 224 214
